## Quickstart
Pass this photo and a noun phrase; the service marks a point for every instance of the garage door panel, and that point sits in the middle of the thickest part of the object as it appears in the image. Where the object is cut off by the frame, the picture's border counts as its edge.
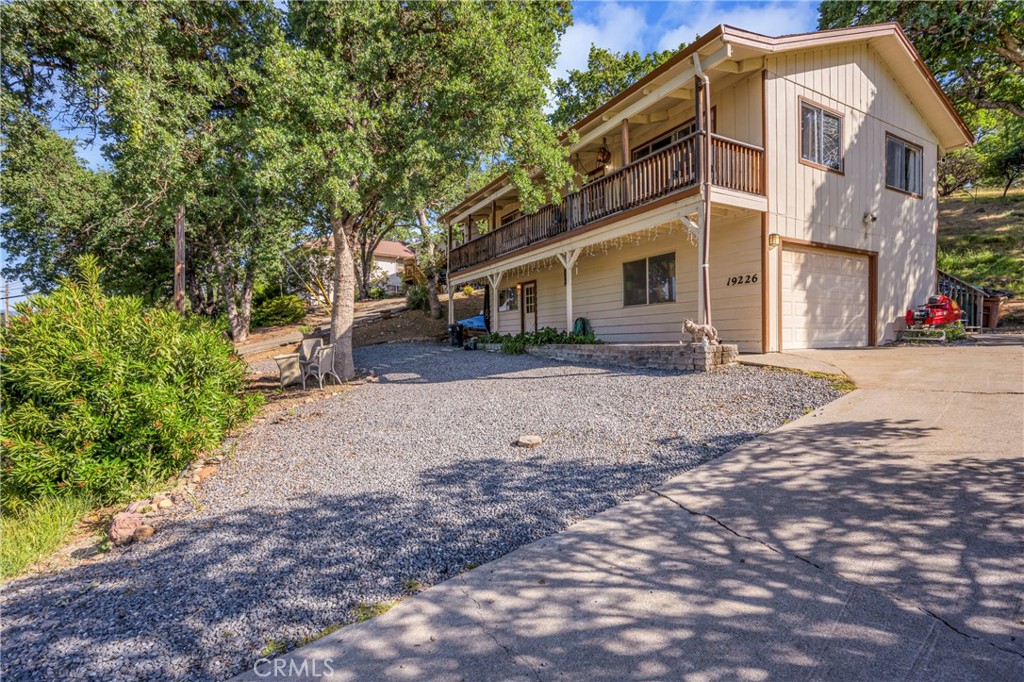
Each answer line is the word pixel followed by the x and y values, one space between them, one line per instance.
pixel 824 298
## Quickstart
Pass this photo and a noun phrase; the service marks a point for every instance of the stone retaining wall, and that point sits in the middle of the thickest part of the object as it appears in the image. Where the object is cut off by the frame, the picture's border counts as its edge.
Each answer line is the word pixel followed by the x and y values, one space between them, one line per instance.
pixel 687 357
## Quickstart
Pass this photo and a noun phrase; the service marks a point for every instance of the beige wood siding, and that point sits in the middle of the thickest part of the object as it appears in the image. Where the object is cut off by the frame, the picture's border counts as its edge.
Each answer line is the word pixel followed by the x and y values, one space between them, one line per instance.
pixel 815 205
pixel 736 308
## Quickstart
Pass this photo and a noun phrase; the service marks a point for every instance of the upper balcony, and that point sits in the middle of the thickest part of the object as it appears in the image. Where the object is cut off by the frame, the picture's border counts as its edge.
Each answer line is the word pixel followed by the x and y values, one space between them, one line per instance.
pixel 669 171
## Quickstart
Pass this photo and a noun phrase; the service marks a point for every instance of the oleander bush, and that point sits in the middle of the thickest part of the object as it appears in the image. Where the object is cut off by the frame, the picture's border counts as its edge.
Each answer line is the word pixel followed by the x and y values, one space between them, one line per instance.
pixel 279 311
pixel 100 396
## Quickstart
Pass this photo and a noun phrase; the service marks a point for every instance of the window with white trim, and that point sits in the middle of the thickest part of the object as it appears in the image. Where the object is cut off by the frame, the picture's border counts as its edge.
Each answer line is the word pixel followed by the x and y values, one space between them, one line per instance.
pixel 649 280
pixel 904 166
pixel 821 137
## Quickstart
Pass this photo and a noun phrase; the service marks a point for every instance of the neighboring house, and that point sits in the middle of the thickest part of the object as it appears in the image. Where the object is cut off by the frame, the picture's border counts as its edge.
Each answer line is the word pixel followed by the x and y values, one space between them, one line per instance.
pixel 804 187
pixel 392 258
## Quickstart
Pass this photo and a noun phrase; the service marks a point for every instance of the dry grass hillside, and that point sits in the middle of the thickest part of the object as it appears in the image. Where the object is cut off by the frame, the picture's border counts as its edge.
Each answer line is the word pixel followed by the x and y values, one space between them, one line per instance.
pixel 981 240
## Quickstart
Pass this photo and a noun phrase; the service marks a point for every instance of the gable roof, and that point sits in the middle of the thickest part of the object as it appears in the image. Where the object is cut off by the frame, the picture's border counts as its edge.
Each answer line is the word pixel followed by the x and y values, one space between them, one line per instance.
pixel 393 250
pixel 385 249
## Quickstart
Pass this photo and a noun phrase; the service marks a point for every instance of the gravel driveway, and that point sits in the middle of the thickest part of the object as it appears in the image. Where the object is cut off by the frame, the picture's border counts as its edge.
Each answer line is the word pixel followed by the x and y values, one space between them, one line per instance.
pixel 363 497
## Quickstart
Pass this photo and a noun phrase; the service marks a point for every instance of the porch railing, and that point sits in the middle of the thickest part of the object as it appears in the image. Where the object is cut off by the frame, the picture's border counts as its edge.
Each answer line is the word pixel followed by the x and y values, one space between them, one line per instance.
pixel 734 165
pixel 970 298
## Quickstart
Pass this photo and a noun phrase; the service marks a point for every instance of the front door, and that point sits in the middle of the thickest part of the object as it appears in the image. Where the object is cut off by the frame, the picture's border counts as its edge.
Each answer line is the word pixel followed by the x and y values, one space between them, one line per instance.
pixel 528 310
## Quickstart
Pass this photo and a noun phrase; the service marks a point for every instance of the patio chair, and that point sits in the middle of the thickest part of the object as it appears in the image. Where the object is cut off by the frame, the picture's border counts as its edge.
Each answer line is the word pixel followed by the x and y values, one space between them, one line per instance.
pixel 321 365
pixel 307 348
pixel 290 367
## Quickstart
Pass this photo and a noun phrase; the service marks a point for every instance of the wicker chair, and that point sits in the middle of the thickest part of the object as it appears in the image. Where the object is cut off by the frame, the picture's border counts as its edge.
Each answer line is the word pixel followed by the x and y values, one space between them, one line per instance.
pixel 320 365
pixel 307 348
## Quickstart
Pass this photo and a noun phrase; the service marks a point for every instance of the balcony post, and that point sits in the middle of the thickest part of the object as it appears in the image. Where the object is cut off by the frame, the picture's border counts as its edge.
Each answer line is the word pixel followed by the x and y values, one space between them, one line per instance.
pixel 625 142
pixel 568 261
pixel 448 277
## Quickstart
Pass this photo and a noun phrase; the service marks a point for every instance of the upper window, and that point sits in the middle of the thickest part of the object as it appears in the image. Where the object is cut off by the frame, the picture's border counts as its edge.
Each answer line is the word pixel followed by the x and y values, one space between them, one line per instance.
pixel 904 166
pixel 650 280
pixel 821 137
pixel 688 128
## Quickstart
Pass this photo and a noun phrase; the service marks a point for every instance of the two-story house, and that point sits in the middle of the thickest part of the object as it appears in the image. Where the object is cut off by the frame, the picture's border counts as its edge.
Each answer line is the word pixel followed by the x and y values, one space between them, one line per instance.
pixel 782 189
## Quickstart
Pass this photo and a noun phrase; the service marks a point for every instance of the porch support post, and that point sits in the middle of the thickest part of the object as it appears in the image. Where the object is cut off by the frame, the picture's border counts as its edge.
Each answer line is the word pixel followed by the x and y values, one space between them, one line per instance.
pixel 702 280
pixel 494 279
pixel 568 260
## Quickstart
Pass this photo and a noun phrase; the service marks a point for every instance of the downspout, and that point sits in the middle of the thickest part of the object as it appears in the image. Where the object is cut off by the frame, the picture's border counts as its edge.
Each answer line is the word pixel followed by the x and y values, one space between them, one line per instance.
pixel 705 184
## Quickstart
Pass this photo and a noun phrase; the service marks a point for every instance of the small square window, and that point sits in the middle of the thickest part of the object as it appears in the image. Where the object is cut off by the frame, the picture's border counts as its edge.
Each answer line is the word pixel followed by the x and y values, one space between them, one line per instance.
pixel 904 166
pixel 650 280
pixel 508 300
pixel 821 137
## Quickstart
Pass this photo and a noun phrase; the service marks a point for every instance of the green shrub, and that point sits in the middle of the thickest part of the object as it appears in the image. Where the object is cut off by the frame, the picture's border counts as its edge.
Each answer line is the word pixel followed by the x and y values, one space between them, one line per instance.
pixel 101 396
pixel 516 344
pixel 279 311
pixel 377 293
pixel 418 298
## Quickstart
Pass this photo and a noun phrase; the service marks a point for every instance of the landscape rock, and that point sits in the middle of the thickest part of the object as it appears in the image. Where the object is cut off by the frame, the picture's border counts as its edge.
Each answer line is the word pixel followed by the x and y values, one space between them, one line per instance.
pixel 123 527
pixel 164 504
pixel 143 533
pixel 529 441
pixel 205 472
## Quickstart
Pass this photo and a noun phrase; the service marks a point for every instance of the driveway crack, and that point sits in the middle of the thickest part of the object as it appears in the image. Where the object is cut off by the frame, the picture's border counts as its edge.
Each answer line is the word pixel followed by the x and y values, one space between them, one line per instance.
pixel 840 576
pixel 482 621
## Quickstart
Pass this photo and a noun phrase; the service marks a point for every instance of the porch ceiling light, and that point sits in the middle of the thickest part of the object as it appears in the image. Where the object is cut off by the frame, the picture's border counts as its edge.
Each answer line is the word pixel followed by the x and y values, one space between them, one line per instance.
pixel 603 155
pixel 774 240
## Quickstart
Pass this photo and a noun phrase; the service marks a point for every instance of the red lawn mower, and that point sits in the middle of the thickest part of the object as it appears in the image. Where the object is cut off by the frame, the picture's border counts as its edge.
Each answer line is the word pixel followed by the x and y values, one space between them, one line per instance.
pixel 939 310
pixel 926 322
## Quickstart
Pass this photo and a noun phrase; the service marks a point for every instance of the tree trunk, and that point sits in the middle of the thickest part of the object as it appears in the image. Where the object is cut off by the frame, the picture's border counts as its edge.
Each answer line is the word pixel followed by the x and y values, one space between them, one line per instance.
pixel 365 270
pixel 343 306
pixel 432 271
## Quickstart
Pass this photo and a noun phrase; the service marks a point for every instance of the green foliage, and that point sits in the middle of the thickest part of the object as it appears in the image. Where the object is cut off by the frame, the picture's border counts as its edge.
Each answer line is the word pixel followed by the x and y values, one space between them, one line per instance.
pixel 100 396
pixel 974 48
pixel 985 266
pixel 517 343
pixel 279 311
pixel 418 298
pixel 958 170
pixel 36 529
pixel 607 74
pixel 955 331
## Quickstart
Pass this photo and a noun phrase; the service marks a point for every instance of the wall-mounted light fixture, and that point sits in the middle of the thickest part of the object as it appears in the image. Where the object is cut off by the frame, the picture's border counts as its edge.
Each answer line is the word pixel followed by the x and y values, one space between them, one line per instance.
pixel 869 218
pixel 774 240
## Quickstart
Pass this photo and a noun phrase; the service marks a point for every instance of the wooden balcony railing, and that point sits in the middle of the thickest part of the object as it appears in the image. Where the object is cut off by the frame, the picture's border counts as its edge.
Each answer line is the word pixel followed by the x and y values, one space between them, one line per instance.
pixel 735 165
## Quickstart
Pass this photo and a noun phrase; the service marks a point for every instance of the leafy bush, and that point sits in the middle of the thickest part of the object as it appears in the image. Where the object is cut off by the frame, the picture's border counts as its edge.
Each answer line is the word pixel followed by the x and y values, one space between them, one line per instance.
pixel 516 344
pixel 377 293
pixel 418 298
pixel 101 396
pixel 279 311
pixel 955 331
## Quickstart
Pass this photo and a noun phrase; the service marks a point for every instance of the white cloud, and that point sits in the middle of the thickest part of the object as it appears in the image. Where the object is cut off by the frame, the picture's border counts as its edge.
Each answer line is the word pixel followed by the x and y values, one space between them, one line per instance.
pixel 617 27
pixel 772 19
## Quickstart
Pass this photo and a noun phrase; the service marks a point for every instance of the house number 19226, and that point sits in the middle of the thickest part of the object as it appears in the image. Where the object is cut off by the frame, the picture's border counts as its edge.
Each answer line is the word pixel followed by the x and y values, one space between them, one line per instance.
pixel 741 279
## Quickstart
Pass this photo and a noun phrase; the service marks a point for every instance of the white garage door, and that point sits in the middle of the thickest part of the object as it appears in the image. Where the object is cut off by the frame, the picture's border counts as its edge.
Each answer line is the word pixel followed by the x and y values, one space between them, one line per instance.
pixel 824 298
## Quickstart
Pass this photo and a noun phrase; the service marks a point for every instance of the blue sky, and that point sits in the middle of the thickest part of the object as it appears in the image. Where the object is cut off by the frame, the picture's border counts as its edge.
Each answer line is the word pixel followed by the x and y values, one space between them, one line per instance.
pixel 624 25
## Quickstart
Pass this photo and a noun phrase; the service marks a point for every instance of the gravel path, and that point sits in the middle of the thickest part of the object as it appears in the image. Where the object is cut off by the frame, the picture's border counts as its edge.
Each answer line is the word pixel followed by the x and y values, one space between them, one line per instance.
pixel 361 497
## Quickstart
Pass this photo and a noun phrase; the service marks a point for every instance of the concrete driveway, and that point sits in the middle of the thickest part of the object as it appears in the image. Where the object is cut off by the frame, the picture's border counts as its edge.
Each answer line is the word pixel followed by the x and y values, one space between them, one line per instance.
pixel 880 538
